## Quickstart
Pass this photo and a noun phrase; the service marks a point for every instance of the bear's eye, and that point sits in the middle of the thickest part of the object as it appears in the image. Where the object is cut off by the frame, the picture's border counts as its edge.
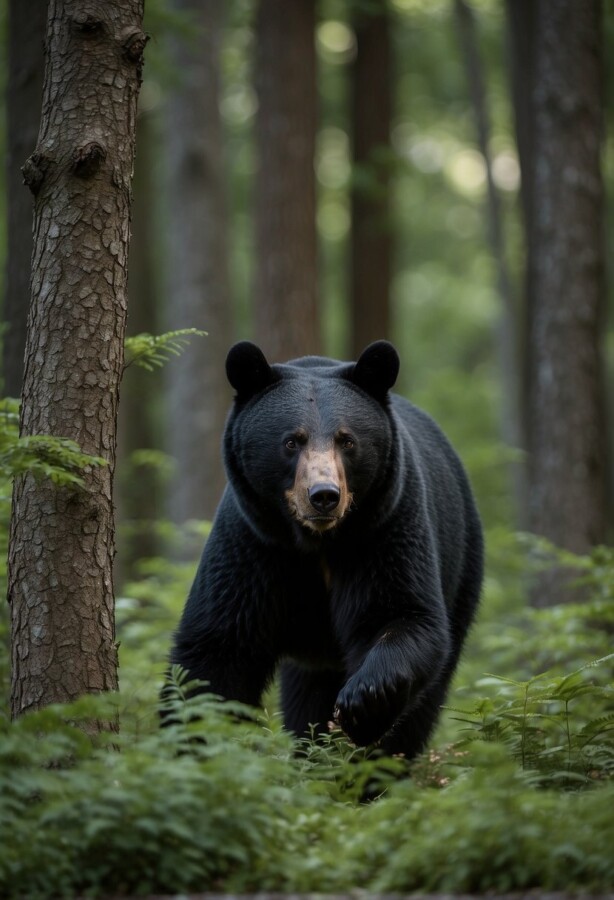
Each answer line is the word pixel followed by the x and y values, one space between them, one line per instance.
pixel 347 443
pixel 291 444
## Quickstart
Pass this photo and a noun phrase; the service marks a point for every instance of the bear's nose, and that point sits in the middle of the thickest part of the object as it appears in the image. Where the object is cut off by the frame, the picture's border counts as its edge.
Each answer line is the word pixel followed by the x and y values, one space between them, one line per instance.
pixel 324 497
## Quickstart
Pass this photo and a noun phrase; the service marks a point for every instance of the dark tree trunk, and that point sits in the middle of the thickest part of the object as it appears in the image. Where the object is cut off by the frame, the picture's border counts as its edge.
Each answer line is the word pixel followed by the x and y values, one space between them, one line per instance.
pixel 566 249
pixel 26 34
pixel 199 291
pixel 371 232
pixel 521 32
pixel 62 539
pixel 285 296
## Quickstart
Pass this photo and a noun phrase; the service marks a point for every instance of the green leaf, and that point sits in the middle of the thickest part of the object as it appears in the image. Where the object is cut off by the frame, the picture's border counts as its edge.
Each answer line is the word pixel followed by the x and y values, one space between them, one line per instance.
pixel 153 351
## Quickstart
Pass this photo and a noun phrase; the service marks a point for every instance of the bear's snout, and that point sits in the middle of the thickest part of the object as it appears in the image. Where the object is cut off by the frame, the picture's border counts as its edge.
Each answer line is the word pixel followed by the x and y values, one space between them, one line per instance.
pixel 324 497
pixel 319 497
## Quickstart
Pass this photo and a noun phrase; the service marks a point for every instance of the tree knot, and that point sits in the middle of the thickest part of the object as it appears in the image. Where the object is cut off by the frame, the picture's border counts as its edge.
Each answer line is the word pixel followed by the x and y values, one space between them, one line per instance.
pixel 87 25
pixel 134 45
pixel 34 170
pixel 87 159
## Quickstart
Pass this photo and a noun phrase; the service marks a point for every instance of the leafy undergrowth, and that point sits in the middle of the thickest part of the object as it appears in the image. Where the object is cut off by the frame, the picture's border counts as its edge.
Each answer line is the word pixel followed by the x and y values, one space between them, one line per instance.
pixel 220 801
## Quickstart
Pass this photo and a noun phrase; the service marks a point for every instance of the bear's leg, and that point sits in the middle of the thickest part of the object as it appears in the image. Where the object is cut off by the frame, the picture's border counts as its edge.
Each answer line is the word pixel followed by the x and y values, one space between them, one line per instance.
pixel 232 673
pixel 412 730
pixel 308 698
pixel 228 671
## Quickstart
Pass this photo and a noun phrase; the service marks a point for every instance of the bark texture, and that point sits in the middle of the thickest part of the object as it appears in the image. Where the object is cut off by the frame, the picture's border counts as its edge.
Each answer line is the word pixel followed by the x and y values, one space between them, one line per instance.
pixel 567 412
pixel 371 232
pixel 285 295
pixel 26 33
pixel 198 283
pixel 62 539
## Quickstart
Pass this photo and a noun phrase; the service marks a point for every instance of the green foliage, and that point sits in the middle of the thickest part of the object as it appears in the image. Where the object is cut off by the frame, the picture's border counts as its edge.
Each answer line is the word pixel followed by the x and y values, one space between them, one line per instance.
pixel 152 351
pixel 40 455
pixel 146 818
pixel 546 729
pixel 219 802
pixel 488 831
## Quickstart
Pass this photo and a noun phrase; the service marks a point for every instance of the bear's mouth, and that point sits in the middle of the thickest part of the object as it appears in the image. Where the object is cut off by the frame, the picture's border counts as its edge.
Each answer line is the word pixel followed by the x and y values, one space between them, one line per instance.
pixel 320 522
pixel 316 522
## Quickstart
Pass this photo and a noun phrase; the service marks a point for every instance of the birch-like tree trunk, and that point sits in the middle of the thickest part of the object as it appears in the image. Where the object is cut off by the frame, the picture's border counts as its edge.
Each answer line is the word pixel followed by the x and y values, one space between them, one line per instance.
pixel 285 291
pixel 62 539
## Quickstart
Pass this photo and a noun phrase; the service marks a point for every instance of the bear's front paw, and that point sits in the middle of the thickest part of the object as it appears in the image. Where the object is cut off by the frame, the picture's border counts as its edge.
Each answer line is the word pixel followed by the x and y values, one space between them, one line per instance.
pixel 369 704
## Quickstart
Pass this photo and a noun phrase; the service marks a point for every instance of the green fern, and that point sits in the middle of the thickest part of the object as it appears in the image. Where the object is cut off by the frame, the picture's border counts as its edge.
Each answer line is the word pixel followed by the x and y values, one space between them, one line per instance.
pixel 43 456
pixel 152 351
pixel 544 730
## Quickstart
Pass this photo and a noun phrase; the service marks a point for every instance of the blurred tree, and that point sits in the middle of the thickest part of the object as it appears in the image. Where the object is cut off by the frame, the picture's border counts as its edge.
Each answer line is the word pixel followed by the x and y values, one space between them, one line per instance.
pixel 62 538
pixel 508 337
pixel 285 293
pixel 565 241
pixel 26 33
pixel 139 500
pixel 371 226
pixel 198 284
pixel 521 35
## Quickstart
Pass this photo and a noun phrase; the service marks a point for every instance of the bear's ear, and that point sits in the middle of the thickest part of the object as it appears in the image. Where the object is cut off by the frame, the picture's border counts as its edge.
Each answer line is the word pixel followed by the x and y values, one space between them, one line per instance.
pixel 247 370
pixel 377 369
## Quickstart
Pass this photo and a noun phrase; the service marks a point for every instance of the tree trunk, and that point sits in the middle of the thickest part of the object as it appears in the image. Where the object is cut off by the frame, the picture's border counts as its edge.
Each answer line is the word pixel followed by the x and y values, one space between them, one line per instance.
pixel 139 491
pixel 508 332
pixel 371 233
pixel 62 539
pixel 26 34
pixel 567 471
pixel 198 284
pixel 285 295
pixel 521 34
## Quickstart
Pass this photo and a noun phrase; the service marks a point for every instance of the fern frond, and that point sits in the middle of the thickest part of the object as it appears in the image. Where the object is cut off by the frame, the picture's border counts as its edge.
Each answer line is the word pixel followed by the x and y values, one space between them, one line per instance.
pixel 43 456
pixel 152 351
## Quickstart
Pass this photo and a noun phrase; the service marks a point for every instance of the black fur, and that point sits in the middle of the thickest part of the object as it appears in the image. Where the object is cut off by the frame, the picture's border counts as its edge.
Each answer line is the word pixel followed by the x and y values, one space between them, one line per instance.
pixel 367 620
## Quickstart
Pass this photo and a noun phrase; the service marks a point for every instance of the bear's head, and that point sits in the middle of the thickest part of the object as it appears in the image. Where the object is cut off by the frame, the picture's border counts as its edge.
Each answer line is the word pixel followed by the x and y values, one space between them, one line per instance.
pixel 309 441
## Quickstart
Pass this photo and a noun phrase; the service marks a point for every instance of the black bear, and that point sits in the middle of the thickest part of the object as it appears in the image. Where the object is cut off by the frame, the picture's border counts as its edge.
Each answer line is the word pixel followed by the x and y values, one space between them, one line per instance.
pixel 346 550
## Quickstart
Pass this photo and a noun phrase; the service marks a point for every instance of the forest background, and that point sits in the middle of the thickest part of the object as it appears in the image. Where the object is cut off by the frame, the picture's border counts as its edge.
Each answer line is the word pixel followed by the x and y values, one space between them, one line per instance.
pixel 313 177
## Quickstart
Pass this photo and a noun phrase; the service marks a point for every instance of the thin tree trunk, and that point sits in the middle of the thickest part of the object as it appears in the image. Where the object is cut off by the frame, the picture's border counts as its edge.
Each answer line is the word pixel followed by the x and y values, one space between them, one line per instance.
pixel 568 429
pixel 62 539
pixel 371 233
pixel 508 341
pixel 198 283
pixel 286 313
pixel 139 503
pixel 26 33
pixel 521 33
